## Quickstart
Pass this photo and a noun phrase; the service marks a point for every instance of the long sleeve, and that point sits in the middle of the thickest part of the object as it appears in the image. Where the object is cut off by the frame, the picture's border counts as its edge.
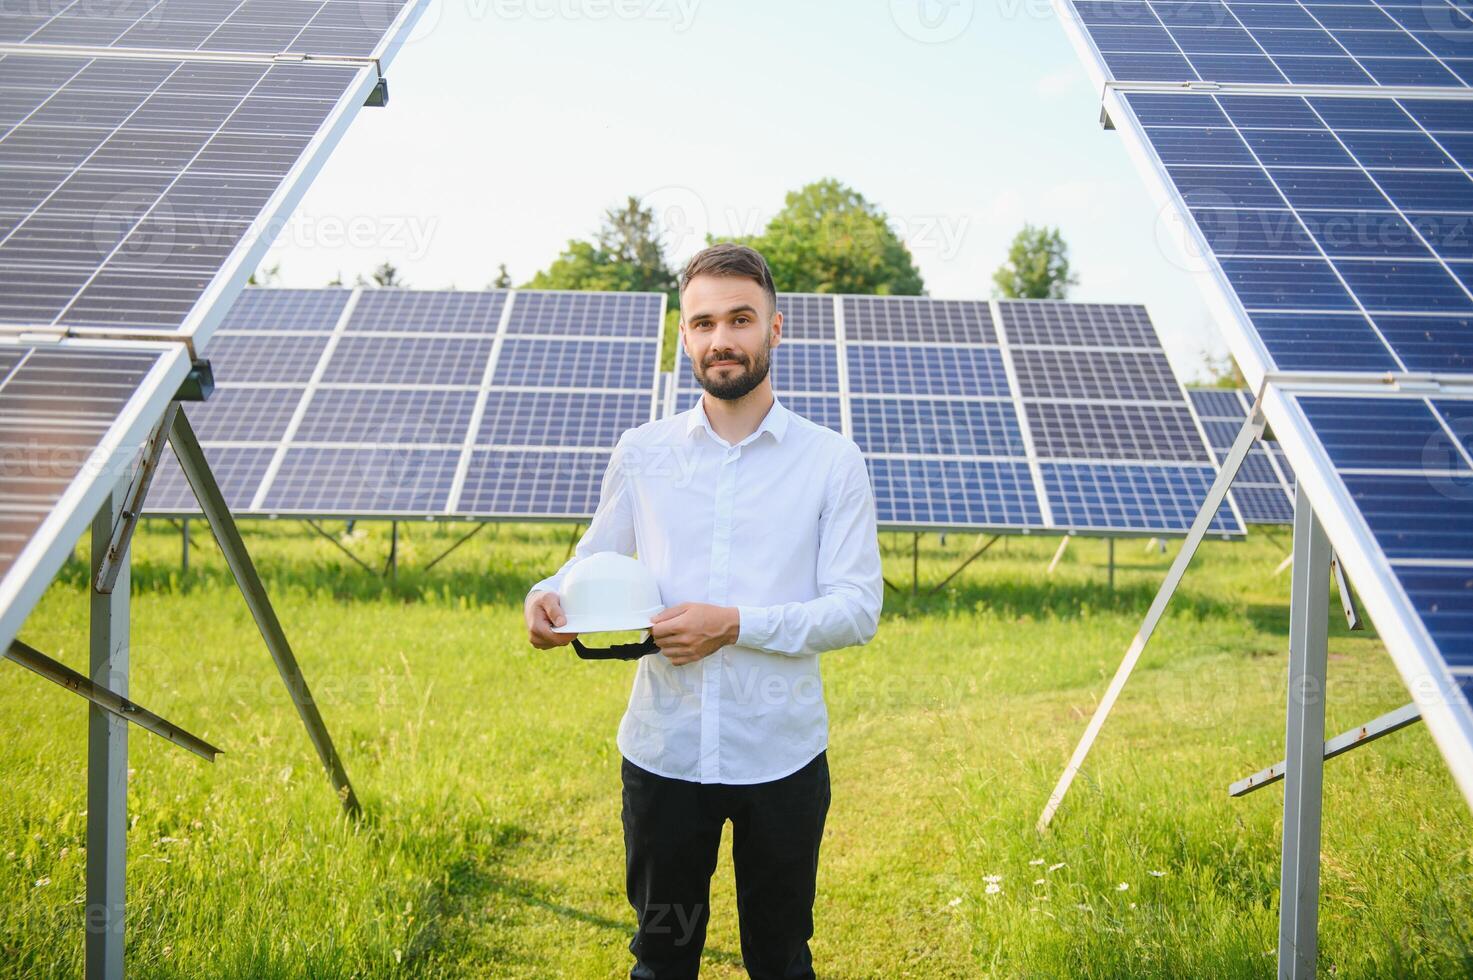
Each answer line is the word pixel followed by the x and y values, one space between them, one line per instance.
pixel 612 527
pixel 850 582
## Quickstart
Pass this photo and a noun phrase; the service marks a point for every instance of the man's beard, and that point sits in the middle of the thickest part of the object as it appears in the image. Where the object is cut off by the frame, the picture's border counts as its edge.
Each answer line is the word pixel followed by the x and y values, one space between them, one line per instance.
pixel 741 385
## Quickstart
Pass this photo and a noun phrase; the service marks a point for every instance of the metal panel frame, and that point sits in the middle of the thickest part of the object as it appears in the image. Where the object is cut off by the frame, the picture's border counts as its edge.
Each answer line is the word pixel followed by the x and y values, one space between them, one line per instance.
pixel 43 556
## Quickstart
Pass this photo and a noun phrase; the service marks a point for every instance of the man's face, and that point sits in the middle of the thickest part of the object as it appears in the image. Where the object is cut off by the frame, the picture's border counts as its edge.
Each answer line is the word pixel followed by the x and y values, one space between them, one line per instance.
pixel 728 327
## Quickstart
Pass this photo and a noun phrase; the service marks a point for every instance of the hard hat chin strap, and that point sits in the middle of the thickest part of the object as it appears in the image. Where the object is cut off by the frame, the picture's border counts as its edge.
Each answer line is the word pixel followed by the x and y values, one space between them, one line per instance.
pixel 621 651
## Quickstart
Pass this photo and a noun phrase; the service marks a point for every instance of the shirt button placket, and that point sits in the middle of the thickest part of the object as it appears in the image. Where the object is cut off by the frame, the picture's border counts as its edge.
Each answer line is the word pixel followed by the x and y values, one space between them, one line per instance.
pixel 711 667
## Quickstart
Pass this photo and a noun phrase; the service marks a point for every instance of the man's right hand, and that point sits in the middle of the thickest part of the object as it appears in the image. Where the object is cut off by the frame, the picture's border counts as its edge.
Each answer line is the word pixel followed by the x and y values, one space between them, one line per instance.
pixel 544 611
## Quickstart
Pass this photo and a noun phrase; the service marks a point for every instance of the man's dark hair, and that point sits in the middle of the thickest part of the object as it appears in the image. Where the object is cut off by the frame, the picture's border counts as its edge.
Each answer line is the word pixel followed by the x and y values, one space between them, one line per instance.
pixel 730 259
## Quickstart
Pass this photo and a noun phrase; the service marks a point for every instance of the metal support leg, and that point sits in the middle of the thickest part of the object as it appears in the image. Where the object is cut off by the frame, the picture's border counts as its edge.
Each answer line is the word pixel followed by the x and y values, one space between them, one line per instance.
pixel 1304 756
pixel 227 535
pixel 1252 429
pixel 970 558
pixel 446 553
pixel 1059 554
pixel 915 563
pixel 107 751
pixel 391 568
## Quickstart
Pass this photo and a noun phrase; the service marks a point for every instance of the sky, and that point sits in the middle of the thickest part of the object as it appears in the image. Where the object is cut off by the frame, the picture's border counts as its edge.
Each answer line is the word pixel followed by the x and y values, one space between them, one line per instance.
pixel 512 125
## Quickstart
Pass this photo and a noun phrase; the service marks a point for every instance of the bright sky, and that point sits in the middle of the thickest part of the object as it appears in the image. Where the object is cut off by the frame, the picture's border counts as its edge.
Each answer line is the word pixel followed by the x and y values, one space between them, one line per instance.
pixel 513 124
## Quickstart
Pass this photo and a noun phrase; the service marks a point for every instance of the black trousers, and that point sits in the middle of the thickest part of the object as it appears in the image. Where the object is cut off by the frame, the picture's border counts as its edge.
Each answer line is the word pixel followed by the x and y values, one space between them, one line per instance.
pixel 672 831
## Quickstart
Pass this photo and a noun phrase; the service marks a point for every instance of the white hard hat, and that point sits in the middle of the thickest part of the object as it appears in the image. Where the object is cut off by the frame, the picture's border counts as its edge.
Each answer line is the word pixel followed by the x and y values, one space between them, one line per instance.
pixel 606 592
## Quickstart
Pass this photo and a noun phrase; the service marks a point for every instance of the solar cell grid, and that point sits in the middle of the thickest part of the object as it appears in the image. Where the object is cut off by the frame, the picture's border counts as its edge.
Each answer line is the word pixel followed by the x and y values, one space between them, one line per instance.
pixel 427 360
pixel 427 311
pixel 1348 248
pixel 1034 322
pixel 1354 44
pixel 1123 432
pixel 1107 497
pixel 917 369
pixel 318 27
pixel 953 493
pixel 585 314
pixel 400 480
pixel 566 419
pixel 1093 374
pixel 386 417
pixel 551 484
pixel 889 319
pixel 806 317
pixel 567 363
pixel 128 197
pixel 916 426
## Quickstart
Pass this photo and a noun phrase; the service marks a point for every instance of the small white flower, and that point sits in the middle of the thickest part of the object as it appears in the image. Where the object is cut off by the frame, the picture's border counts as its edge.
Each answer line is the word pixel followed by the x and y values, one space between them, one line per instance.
pixel 1156 874
pixel 994 888
pixel 1132 905
pixel 42 882
pixel 1056 867
pixel 954 902
pixel 1036 861
pixel 1122 887
pixel 1038 881
pixel 992 879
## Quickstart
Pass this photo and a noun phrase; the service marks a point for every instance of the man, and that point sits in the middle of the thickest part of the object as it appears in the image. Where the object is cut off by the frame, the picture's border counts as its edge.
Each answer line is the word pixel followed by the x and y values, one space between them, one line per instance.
pixel 759 526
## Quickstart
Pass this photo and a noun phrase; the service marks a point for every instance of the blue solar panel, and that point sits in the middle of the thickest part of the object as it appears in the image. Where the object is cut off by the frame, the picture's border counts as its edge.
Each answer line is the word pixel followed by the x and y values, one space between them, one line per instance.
pixel 1347 247
pixel 245 414
pixel 400 480
pixel 594 420
pixel 954 493
pixel 1356 44
pixel 427 311
pixel 918 319
pixel 586 314
pixel 806 317
pixel 286 309
pixel 537 363
pixel 367 415
pixel 926 426
pixel 1096 374
pixel 1164 499
pixel 552 484
pixel 885 369
pixel 359 359
pixel 238 471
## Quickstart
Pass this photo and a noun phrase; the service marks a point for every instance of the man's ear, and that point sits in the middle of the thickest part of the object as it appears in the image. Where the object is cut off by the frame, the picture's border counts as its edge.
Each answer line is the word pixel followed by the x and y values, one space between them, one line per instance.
pixel 777 329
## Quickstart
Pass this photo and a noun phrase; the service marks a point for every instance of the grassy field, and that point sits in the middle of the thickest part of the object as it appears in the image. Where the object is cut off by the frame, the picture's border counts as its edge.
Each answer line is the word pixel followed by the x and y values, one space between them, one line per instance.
pixel 491 844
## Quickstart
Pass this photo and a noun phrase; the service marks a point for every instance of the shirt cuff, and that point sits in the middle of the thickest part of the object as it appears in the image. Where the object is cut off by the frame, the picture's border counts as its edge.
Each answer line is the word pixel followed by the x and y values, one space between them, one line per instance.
pixel 754 626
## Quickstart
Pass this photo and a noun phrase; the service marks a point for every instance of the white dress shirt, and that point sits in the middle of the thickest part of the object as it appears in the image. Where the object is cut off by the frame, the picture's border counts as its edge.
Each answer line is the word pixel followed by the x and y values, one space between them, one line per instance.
pixel 780 525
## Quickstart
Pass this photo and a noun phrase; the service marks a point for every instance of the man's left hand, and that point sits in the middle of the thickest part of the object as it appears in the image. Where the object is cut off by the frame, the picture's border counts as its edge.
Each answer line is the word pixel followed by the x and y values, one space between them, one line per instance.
pixel 693 631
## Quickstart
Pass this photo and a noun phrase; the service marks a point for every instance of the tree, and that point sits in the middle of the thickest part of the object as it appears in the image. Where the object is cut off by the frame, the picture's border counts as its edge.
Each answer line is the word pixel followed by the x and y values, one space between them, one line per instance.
pixel 829 239
pixel 1222 372
pixel 387 275
pixel 625 256
pixel 503 278
pixel 264 276
pixel 1037 266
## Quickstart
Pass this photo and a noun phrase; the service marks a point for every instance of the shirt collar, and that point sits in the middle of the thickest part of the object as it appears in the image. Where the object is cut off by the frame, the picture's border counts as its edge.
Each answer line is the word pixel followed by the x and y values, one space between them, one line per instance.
pixel 775 421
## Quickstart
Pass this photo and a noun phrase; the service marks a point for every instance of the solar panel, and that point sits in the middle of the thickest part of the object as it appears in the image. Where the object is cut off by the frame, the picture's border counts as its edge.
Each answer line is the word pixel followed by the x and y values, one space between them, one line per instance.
pixel 955 414
pixel 1264 486
pixel 73 416
pixel 1314 43
pixel 420 403
pixel 320 27
pixel 142 174
pixel 1333 223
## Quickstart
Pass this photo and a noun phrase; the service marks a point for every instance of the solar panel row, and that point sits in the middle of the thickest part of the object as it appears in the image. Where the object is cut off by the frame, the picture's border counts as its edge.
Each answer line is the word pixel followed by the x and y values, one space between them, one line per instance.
pixel 1014 415
pixel 401 402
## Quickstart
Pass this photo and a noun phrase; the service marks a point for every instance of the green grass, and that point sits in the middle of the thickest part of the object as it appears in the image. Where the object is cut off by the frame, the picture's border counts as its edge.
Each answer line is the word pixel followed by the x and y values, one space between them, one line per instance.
pixel 489 773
